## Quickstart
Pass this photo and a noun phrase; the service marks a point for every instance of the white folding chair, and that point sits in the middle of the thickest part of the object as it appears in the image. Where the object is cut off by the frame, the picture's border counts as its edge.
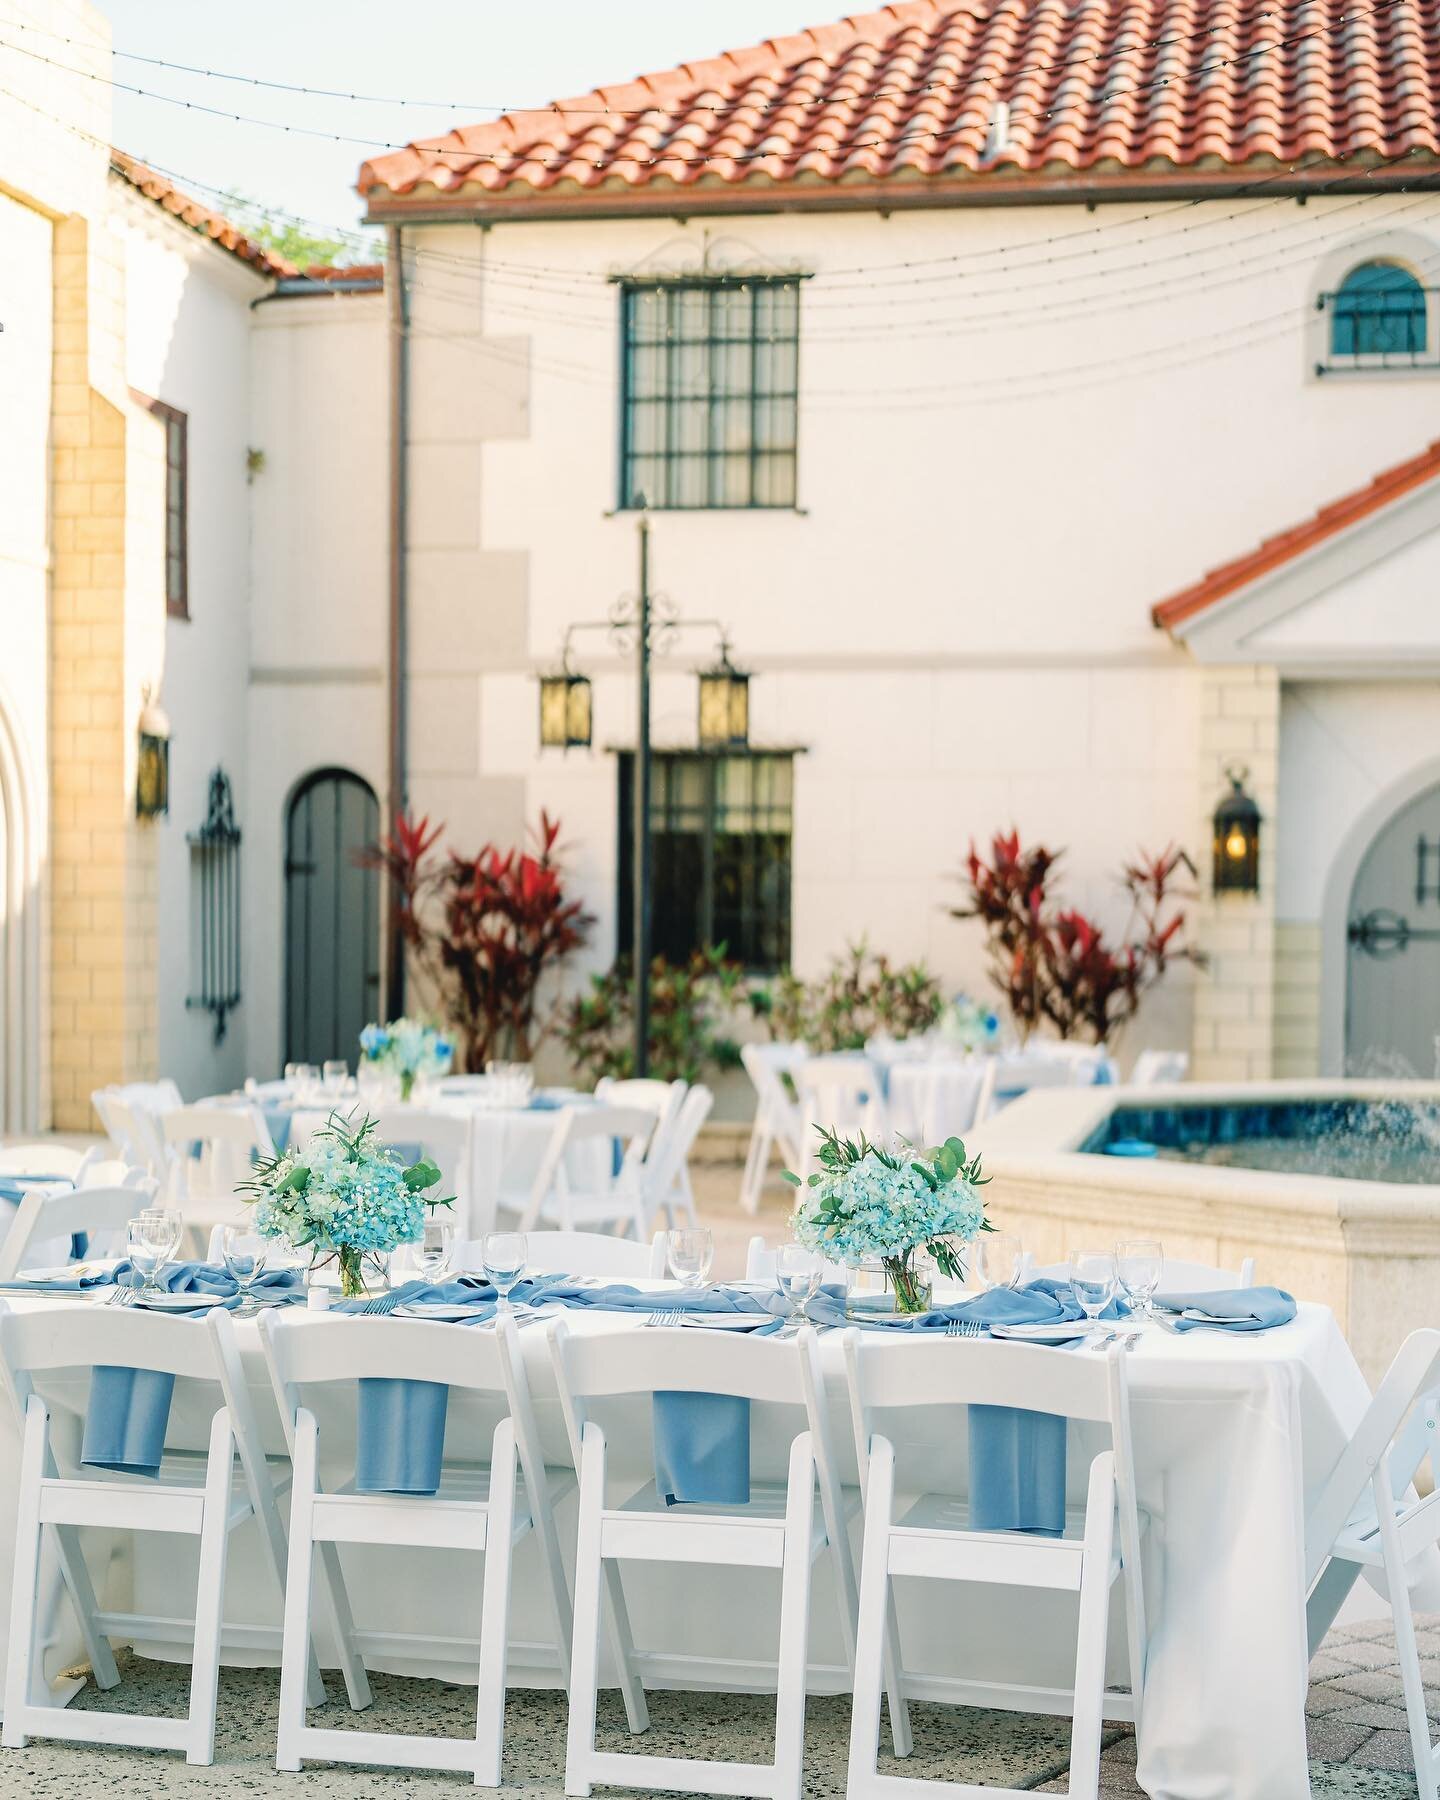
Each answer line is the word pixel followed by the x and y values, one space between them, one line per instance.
pixel 760 1264
pixel 45 1159
pixel 582 1253
pixel 777 1115
pixel 196 1493
pixel 1368 1516
pixel 134 1132
pixel 953 1096
pixel 617 1201
pixel 228 1138
pixel 113 1171
pixel 442 1136
pixel 476 1508
pixel 782 1527
pixel 931 1540
pixel 839 1093
pixel 48 1218
pixel 1152 1067
pixel 654 1096
pixel 665 1173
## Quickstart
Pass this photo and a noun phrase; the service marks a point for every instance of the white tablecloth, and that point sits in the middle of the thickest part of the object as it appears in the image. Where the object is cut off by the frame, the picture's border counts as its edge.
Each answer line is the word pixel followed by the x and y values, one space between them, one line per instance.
pixel 1232 1436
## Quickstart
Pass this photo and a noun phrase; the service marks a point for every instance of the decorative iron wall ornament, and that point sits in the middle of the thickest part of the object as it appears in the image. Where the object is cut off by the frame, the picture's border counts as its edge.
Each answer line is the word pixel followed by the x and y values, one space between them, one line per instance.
pixel 215 895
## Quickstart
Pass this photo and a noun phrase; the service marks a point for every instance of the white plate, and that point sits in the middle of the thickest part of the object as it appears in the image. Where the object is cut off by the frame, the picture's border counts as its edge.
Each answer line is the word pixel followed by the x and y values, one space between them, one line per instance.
pixel 1063 1331
pixel 179 1303
pixel 724 1321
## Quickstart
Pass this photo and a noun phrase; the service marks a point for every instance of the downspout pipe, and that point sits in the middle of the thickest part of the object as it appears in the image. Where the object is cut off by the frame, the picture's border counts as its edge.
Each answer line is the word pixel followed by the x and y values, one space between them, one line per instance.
pixel 397 777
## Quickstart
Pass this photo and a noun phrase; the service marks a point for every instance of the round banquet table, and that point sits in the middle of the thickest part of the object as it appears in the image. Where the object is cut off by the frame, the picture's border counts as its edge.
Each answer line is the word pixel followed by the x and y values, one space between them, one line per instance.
pixel 1232 1436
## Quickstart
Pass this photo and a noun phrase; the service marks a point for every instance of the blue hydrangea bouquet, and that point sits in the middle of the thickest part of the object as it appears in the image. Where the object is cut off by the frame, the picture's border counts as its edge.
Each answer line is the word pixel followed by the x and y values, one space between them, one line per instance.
pixel 967 1025
pixel 407 1049
pixel 346 1197
pixel 866 1205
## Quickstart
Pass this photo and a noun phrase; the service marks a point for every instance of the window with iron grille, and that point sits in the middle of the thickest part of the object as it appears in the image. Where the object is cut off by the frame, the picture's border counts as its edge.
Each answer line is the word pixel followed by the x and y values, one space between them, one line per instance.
pixel 1380 310
pixel 721 845
pixel 709 393
pixel 176 426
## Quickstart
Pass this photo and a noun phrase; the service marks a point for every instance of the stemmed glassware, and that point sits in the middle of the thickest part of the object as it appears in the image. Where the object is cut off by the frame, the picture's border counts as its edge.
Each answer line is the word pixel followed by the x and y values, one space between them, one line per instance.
pixel 333 1076
pixel 504 1256
pixel 1001 1258
pixel 1092 1279
pixel 690 1253
pixel 1140 1264
pixel 797 1275
pixel 153 1237
pixel 245 1254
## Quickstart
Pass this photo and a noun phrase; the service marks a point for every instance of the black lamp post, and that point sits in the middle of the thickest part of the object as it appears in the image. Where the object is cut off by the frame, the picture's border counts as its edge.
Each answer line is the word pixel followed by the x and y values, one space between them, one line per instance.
pixel 723 724
pixel 1236 861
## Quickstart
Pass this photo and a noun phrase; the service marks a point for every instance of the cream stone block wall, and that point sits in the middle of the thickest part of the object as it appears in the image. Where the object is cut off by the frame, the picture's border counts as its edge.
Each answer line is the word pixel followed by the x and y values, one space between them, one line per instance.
pixel 102 873
pixel 1234 1028
pixel 1297 998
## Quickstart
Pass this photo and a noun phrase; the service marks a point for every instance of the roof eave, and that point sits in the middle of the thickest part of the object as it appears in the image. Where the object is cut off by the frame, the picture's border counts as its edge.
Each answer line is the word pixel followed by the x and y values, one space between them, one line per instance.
pixel 905 190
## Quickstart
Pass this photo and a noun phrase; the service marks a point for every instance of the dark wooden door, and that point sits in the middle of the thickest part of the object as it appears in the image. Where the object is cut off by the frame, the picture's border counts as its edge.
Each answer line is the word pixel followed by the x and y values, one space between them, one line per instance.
pixel 332 918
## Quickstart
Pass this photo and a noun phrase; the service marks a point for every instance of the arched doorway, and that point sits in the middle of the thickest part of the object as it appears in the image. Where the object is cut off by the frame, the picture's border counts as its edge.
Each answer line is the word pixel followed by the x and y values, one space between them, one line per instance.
pixel 1392 978
pixel 332 917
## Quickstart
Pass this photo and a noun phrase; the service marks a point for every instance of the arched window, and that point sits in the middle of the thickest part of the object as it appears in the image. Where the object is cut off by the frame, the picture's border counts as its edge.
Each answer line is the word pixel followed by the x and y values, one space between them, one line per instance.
pixel 1379 311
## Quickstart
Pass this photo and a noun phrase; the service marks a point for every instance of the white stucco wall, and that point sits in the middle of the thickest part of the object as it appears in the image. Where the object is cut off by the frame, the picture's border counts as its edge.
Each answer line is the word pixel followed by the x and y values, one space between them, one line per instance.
pixel 955 621
pixel 317 643
pixel 187 343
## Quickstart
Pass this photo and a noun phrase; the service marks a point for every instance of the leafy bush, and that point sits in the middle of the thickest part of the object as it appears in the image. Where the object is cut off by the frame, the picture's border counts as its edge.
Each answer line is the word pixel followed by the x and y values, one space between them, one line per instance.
pixel 859 995
pixel 482 931
pixel 692 1005
pixel 1052 963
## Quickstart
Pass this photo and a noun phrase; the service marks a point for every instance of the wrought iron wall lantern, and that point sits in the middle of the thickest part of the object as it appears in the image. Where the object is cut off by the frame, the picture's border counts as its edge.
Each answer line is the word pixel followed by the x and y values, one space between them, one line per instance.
pixel 152 772
pixel 215 898
pixel 723 720
pixel 1236 866
pixel 565 710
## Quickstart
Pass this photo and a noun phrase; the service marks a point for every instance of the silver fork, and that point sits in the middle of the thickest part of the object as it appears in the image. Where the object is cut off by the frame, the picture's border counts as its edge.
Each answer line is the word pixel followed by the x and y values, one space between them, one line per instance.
pixel 1104 1341
pixel 964 1328
pixel 382 1303
pixel 123 1295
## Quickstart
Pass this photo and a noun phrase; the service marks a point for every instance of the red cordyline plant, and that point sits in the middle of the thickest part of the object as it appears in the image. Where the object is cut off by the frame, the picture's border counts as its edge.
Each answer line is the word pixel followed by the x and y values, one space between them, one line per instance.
pixel 1053 964
pixel 482 931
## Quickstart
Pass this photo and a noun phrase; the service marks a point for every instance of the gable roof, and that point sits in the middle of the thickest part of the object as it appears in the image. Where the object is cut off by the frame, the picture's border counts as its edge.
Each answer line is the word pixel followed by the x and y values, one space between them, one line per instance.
pixel 911 93
pixel 1275 552
pixel 198 216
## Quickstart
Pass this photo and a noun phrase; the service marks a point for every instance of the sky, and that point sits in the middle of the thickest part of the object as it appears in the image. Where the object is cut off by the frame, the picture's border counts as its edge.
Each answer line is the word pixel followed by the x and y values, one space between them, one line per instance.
pixel 475 57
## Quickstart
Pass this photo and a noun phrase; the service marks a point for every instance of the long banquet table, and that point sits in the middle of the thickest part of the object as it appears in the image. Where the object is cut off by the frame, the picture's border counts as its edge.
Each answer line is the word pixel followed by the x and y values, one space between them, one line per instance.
pixel 1233 1435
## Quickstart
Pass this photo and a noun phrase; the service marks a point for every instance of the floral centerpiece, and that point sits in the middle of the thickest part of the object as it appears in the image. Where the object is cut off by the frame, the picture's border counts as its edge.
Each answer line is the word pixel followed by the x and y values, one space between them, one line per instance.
pixel 346 1197
pixel 407 1049
pixel 866 1206
pixel 969 1026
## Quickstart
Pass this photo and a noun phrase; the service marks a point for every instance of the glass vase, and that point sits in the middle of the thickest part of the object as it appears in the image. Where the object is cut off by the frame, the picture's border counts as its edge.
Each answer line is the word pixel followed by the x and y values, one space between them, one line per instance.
pixel 363 1273
pixel 884 1286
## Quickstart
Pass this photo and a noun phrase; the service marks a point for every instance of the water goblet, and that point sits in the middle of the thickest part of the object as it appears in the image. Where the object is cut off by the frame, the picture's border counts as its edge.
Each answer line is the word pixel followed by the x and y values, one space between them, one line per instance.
pixel 1092 1279
pixel 690 1253
pixel 797 1275
pixel 1001 1258
pixel 1140 1263
pixel 334 1073
pixel 245 1254
pixel 148 1242
pixel 503 1255
pixel 435 1251
pixel 370 1082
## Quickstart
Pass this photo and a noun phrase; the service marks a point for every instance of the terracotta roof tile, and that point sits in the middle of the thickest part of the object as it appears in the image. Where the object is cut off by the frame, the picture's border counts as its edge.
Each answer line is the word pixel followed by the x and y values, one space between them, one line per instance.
pixel 198 216
pixel 911 91
pixel 1390 486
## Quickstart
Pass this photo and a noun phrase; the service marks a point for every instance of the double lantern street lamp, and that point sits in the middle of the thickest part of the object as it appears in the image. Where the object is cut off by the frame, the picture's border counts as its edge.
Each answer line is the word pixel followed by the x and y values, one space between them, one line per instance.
pixel 645 622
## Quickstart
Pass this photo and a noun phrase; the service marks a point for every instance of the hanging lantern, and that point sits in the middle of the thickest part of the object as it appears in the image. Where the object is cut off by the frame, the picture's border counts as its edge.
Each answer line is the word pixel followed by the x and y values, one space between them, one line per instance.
pixel 565 711
pixel 724 714
pixel 1236 868
pixel 152 776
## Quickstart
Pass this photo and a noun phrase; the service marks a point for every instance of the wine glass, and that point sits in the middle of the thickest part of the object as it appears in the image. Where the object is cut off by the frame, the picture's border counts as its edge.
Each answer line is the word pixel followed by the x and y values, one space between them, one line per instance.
pixel 503 1255
pixel 797 1275
pixel 245 1254
pixel 1140 1263
pixel 690 1253
pixel 1001 1257
pixel 334 1073
pixel 1092 1279
pixel 435 1253
pixel 370 1081
pixel 149 1241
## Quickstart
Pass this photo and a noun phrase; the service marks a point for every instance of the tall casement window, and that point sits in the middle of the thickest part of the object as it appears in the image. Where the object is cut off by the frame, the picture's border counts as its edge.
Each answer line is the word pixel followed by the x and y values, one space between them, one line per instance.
pixel 176 426
pixel 721 842
pixel 709 392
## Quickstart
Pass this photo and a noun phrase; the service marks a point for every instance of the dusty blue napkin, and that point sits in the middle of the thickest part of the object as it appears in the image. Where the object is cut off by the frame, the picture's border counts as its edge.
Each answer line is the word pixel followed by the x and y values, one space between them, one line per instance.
pixel 400 1436
pixel 702 1448
pixel 1231 1309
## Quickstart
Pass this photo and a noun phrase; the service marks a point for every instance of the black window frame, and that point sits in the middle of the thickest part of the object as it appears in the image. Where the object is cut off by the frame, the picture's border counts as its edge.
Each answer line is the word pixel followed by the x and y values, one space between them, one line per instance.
pixel 769 450
pixel 176 426
pixel 778 924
